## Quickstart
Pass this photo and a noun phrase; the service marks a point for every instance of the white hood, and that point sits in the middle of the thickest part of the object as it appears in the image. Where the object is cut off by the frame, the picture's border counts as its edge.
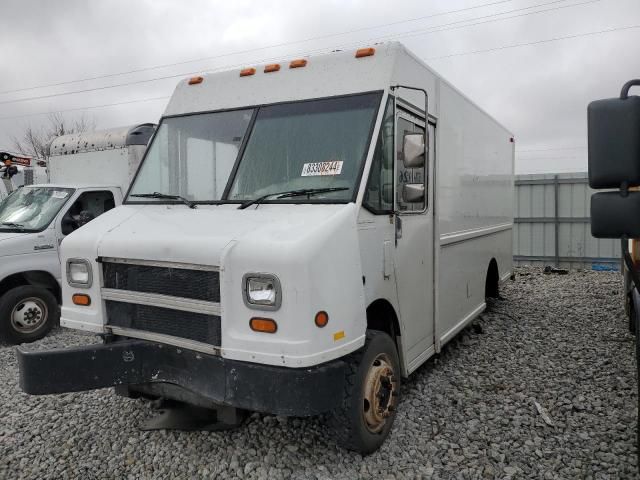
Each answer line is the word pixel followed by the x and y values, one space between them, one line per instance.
pixel 9 235
pixel 176 233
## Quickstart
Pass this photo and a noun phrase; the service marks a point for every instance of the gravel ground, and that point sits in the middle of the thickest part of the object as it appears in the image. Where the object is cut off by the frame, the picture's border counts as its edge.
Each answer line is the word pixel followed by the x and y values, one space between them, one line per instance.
pixel 560 341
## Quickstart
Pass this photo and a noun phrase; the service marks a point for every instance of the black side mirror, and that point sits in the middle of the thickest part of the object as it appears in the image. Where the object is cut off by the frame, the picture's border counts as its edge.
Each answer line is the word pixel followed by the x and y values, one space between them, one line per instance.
pixel 67 226
pixel 614 163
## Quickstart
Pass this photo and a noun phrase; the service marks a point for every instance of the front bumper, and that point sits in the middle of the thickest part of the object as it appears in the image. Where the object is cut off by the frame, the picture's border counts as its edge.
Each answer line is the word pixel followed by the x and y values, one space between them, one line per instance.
pixel 131 363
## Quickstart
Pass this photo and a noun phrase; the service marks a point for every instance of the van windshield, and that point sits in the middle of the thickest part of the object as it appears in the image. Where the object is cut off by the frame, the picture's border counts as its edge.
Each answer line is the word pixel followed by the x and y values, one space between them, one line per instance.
pixel 310 144
pixel 31 209
pixel 191 157
pixel 317 144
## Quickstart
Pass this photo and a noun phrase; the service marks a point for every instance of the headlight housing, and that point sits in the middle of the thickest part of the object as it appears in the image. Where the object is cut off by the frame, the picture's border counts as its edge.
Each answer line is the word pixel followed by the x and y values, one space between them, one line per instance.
pixel 261 291
pixel 79 273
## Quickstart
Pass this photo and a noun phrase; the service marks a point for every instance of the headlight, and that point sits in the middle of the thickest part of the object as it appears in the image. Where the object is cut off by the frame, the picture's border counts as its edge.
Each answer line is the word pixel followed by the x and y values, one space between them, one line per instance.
pixel 262 291
pixel 79 273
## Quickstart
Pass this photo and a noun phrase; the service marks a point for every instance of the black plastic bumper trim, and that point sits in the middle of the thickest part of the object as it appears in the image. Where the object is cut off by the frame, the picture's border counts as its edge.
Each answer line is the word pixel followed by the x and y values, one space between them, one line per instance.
pixel 251 386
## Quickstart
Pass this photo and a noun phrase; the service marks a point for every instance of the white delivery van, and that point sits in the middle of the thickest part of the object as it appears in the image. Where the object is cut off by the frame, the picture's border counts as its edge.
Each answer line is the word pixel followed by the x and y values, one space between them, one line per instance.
pixel 298 238
pixel 89 174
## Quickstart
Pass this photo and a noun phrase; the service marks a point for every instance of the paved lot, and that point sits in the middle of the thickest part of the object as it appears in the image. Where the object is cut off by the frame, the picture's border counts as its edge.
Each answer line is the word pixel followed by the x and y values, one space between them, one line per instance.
pixel 560 341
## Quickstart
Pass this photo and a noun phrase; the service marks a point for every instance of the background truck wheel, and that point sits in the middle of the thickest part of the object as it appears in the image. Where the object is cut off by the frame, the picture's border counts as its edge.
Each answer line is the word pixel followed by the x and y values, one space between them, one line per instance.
pixel 27 314
pixel 371 395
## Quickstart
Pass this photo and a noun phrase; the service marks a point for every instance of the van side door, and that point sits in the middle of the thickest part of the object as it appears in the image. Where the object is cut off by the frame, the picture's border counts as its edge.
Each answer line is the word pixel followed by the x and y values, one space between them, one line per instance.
pixel 413 259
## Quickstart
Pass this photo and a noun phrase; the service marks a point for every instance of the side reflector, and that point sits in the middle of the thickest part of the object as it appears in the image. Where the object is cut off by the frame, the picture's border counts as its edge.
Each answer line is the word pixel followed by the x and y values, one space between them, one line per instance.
pixel 81 299
pixel 365 52
pixel 322 318
pixel 274 67
pixel 266 325
pixel 298 63
pixel 196 80
pixel 245 72
pixel 338 335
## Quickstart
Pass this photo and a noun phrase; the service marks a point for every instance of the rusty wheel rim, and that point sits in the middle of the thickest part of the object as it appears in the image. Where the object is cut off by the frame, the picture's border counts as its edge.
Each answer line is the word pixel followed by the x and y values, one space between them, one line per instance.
pixel 380 393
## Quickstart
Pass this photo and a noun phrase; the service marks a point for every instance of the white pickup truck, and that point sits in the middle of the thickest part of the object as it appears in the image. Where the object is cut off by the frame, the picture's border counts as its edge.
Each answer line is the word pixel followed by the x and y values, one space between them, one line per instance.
pixel 299 237
pixel 89 174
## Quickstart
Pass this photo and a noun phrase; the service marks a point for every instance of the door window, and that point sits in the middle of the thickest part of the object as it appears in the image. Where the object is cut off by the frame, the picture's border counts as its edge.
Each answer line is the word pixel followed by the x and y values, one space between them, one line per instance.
pixel 408 175
pixel 378 197
pixel 87 206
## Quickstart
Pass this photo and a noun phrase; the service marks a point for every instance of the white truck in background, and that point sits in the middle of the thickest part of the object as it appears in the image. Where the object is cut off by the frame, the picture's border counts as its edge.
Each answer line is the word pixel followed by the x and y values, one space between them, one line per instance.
pixel 88 174
pixel 299 237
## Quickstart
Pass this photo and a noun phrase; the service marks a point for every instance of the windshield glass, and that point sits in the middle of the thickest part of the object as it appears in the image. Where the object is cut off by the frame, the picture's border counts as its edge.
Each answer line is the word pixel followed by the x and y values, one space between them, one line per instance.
pixel 307 145
pixel 191 157
pixel 32 208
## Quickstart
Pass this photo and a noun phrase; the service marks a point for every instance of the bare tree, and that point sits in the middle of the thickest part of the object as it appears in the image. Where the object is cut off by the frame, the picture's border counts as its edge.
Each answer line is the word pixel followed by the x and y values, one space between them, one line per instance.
pixel 36 142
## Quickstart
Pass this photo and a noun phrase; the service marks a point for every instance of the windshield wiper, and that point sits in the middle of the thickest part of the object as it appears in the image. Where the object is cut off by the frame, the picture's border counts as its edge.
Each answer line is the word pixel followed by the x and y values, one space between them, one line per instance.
pixel 12 224
pixel 188 203
pixel 291 193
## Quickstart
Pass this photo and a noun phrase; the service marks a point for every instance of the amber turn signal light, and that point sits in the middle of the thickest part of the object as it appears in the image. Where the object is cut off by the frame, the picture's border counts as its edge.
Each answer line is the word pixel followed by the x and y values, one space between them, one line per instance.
pixel 245 72
pixel 81 299
pixel 266 325
pixel 365 52
pixel 322 318
pixel 298 63
pixel 195 80
pixel 274 67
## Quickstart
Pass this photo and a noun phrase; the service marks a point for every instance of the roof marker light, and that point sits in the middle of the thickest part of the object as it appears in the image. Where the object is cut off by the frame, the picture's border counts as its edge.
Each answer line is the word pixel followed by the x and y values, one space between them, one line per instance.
pixel 365 52
pixel 274 67
pixel 196 80
pixel 301 62
pixel 245 72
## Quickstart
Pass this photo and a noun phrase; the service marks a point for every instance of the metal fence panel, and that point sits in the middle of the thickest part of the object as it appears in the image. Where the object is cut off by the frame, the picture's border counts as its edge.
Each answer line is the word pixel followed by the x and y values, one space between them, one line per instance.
pixel 552 224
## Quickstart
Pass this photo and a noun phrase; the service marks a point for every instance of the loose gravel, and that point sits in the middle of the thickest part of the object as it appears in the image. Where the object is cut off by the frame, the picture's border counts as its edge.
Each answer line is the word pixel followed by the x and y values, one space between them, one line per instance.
pixel 558 341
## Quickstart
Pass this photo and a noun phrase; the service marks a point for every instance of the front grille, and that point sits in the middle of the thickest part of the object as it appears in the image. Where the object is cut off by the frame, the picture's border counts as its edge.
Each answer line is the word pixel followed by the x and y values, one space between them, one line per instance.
pixel 177 282
pixel 193 326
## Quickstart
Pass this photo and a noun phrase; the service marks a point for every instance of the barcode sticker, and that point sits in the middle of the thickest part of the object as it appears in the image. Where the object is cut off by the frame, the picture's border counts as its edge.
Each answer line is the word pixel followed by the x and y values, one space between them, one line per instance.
pixel 321 168
pixel 60 194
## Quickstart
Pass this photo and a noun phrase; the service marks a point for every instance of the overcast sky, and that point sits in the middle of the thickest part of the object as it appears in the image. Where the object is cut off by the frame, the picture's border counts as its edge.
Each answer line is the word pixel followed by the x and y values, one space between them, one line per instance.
pixel 539 91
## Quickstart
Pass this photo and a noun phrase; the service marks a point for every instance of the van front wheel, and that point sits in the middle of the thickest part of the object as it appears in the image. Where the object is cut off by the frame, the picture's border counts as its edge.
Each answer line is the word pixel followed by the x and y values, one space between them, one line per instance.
pixel 371 395
pixel 27 313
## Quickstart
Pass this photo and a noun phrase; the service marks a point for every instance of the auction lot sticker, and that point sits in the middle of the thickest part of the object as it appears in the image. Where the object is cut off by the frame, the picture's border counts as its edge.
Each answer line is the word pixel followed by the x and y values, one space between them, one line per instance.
pixel 321 168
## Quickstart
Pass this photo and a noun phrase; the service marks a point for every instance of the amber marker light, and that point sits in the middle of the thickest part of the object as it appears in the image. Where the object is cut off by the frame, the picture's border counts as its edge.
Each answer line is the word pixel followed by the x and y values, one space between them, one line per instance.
pixel 322 318
pixel 301 62
pixel 81 299
pixel 266 325
pixel 196 80
pixel 274 67
pixel 365 52
pixel 245 72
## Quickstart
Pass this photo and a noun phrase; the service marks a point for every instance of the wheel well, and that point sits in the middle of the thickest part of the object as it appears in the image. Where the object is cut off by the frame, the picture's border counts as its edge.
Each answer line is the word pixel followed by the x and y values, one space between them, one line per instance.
pixel 492 282
pixel 382 316
pixel 37 278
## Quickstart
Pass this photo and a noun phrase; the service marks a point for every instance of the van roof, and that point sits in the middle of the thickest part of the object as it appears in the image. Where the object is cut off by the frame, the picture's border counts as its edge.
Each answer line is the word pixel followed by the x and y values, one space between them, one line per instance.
pixel 336 73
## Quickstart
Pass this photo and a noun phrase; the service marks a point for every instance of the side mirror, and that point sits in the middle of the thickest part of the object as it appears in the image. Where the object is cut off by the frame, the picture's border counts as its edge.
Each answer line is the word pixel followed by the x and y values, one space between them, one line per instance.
pixel 614 162
pixel 614 215
pixel 414 192
pixel 66 229
pixel 413 150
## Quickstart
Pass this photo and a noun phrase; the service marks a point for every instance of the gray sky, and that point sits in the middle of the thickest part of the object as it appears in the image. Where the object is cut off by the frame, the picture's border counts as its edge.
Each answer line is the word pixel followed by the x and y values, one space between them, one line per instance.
pixel 539 91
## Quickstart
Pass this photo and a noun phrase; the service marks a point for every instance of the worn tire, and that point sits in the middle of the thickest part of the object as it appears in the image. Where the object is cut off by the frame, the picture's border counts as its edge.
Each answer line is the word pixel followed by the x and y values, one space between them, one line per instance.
pixel 349 422
pixel 43 305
